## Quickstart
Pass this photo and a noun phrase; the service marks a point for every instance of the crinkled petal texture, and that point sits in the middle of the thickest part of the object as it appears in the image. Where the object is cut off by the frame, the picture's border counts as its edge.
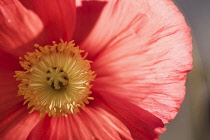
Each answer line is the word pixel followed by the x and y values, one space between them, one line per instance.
pixel 141 51
pixel 109 119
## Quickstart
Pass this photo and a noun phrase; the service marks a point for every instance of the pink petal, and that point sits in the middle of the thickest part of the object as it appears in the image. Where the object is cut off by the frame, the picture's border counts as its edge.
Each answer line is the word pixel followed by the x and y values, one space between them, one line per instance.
pixel 88 13
pixel 103 119
pixel 116 16
pixel 15 122
pixel 18 125
pixel 92 124
pixel 59 18
pixel 18 26
pixel 21 28
pixel 142 124
pixel 141 55
pixel 9 101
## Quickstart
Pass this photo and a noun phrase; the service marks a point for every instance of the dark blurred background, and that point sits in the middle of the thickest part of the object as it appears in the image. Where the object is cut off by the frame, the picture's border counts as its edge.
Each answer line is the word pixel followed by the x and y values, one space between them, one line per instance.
pixel 193 120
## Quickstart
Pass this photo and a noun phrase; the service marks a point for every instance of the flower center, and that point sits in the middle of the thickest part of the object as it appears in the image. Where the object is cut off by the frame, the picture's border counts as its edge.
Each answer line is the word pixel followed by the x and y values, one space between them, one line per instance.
pixel 56 79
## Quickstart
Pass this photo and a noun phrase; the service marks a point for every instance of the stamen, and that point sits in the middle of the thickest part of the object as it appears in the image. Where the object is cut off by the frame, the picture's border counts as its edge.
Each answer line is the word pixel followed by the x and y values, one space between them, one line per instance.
pixel 56 79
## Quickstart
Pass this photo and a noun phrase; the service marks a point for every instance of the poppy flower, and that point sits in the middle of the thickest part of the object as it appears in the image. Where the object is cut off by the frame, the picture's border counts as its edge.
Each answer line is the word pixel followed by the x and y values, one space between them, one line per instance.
pixel 129 85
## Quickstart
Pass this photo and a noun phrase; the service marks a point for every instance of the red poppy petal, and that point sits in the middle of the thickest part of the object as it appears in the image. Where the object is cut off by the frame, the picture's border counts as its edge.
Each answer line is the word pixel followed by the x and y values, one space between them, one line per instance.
pixel 116 121
pixel 88 13
pixel 18 26
pixel 15 122
pixel 146 62
pixel 116 17
pixel 9 101
pixel 91 124
pixel 142 124
pixel 9 62
pixel 59 18
pixel 18 125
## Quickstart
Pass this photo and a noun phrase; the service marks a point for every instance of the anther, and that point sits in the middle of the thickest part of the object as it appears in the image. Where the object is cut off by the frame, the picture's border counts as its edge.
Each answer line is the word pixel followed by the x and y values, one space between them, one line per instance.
pixel 56 79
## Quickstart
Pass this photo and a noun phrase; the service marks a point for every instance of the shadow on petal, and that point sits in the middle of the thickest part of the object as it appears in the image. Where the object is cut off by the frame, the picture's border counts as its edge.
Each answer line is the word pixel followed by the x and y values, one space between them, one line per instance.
pixel 87 16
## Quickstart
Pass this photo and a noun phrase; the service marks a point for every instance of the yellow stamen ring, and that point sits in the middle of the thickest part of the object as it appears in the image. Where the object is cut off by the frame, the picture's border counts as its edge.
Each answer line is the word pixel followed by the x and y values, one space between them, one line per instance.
pixel 56 79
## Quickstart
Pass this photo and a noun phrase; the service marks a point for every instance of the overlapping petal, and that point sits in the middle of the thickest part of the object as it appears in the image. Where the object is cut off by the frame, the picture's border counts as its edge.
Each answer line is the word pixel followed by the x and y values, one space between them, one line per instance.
pixel 110 118
pixel 58 17
pixel 93 123
pixel 88 13
pixel 18 125
pixel 141 59
pixel 28 22
pixel 144 60
pixel 111 23
pixel 15 122
pixel 141 124
pixel 18 26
